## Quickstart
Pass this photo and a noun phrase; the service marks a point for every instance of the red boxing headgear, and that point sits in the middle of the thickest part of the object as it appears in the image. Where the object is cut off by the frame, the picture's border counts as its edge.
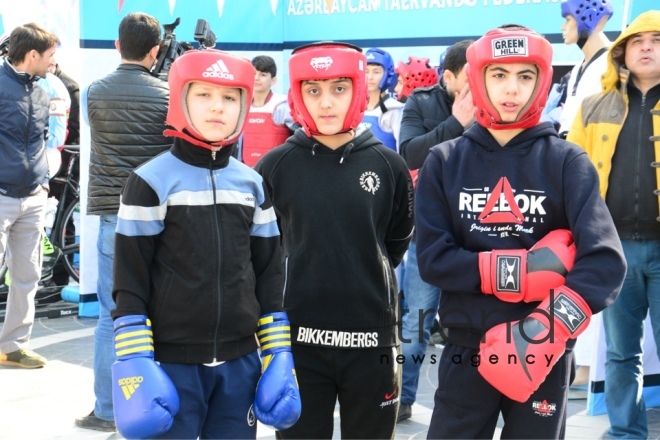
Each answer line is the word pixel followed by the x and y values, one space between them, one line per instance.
pixel 327 60
pixel 509 45
pixel 209 66
pixel 415 73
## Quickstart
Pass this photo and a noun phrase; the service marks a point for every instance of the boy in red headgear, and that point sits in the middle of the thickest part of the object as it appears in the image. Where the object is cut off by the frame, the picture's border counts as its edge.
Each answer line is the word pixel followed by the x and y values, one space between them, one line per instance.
pixel 198 273
pixel 511 227
pixel 344 203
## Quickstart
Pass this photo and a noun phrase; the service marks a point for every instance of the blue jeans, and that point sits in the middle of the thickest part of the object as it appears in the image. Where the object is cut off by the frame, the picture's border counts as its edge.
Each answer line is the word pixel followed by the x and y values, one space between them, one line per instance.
pixel 104 352
pixel 422 304
pixel 624 333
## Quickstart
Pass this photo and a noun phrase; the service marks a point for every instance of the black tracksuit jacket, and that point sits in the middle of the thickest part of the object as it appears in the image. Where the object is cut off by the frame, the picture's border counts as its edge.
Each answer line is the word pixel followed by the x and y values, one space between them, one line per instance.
pixel 427 121
pixel 198 251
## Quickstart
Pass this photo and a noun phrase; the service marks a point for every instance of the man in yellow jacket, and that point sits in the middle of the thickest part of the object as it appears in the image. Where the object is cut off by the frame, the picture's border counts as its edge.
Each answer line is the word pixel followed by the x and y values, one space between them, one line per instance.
pixel 620 130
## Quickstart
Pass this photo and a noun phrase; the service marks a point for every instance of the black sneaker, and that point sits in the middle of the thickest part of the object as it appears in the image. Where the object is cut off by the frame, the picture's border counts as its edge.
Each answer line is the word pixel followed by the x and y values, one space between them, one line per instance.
pixel 405 412
pixel 92 422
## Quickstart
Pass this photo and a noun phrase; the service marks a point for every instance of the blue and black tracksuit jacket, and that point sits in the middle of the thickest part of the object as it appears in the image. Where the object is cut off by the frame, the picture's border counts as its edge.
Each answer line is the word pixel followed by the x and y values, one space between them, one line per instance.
pixel 197 249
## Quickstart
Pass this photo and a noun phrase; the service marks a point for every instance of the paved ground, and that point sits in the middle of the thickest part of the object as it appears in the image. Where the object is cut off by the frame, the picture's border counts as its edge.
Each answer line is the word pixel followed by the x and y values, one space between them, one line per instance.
pixel 43 403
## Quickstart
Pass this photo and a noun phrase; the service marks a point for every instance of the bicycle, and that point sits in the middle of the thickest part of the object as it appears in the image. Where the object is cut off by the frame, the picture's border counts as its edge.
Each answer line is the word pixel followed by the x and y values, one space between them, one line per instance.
pixel 63 233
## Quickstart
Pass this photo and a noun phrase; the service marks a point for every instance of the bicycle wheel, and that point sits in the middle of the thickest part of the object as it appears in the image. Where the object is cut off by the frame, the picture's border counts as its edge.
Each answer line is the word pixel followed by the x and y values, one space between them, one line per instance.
pixel 68 239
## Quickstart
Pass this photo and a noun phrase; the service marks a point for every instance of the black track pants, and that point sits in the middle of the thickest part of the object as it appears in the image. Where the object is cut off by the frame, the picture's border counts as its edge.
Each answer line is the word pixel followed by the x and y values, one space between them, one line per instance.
pixel 367 387
pixel 466 406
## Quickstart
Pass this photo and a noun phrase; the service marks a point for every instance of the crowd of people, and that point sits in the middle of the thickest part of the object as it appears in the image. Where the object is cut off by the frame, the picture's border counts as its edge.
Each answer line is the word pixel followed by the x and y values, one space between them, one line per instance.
pixel 276 254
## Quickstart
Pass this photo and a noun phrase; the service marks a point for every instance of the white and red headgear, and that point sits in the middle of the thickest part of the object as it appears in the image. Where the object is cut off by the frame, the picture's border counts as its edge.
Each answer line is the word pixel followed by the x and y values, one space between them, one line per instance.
pixel 415 73
pixel 509 45
pixel 209 66
pixel 327 60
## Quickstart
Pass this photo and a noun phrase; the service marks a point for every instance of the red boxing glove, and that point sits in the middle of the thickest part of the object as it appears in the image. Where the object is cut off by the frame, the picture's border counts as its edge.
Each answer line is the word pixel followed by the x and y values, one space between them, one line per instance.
pixel 516 357
pixel 515 275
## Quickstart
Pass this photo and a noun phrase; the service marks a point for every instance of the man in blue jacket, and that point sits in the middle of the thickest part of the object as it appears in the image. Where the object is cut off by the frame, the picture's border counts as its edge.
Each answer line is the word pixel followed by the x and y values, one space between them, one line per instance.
pixel 23 183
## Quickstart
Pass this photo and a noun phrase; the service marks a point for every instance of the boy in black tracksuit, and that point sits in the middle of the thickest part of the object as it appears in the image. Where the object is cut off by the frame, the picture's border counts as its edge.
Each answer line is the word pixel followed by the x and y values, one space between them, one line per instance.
pixel 483 200
pixel 198 261
pixel 344 203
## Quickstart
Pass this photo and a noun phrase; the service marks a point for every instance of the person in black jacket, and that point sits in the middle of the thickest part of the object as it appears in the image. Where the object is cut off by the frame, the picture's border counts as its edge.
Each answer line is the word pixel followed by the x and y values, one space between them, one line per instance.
pixel 73 123
pixel 345 207
pixel 60 275
pixel 512 228
pixel 198 260
pixel 126 112
pixel 438 113
pixel 432 115
pixel 24 111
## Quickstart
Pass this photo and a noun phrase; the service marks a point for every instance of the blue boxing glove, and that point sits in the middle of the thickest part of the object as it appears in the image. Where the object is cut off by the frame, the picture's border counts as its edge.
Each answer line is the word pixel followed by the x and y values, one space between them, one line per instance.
pixel 145 400
pixel 277 401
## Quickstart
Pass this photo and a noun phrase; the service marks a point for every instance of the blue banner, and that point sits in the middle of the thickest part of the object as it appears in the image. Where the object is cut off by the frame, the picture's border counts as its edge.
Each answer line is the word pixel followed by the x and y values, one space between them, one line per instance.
pixel 418 19
pixel 290 22
pixel 255 22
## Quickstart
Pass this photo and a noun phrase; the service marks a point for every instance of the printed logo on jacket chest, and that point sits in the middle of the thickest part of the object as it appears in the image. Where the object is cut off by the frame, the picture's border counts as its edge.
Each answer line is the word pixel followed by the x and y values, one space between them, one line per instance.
pixel 502 210
pixel 370 182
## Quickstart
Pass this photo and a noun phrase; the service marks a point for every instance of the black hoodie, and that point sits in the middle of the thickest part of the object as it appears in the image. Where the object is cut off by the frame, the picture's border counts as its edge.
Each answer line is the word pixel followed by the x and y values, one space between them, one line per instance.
pixel 346 218
pixel 550 183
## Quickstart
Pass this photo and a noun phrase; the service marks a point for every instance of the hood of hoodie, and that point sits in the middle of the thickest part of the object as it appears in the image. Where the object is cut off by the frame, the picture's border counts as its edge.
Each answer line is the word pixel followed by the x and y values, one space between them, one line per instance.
pixel 485 140
pixel 647 22
pixel 363 139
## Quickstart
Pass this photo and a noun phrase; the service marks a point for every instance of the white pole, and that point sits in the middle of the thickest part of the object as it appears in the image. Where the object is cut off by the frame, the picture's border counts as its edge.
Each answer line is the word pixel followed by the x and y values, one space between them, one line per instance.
pixel 626 9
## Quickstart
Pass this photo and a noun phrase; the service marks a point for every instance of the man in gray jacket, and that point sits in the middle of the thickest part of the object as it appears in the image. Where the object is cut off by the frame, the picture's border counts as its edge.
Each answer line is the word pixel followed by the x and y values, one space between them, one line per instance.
pixel 126 112
pixel 23 183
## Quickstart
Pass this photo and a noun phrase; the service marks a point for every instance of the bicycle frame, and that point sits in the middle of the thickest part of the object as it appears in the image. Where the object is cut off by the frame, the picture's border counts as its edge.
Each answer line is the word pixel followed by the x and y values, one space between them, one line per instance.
pixel 70 196
pixel 70 186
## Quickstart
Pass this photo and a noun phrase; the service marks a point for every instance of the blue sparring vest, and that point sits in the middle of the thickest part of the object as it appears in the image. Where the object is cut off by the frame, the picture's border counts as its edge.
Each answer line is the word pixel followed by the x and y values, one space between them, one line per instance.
pixel 60 105
pixel 371 119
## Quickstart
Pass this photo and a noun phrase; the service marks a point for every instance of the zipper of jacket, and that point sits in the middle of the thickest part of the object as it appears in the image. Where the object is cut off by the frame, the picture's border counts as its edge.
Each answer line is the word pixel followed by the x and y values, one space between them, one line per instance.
pixel 217 278
pixel 26 160
pixel 388 276
pixel 640 146
pixel 286 277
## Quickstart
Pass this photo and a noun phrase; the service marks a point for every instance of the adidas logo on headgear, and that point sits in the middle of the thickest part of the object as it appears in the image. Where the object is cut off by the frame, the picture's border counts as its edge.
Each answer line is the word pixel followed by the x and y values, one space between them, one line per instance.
pixel 218 70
